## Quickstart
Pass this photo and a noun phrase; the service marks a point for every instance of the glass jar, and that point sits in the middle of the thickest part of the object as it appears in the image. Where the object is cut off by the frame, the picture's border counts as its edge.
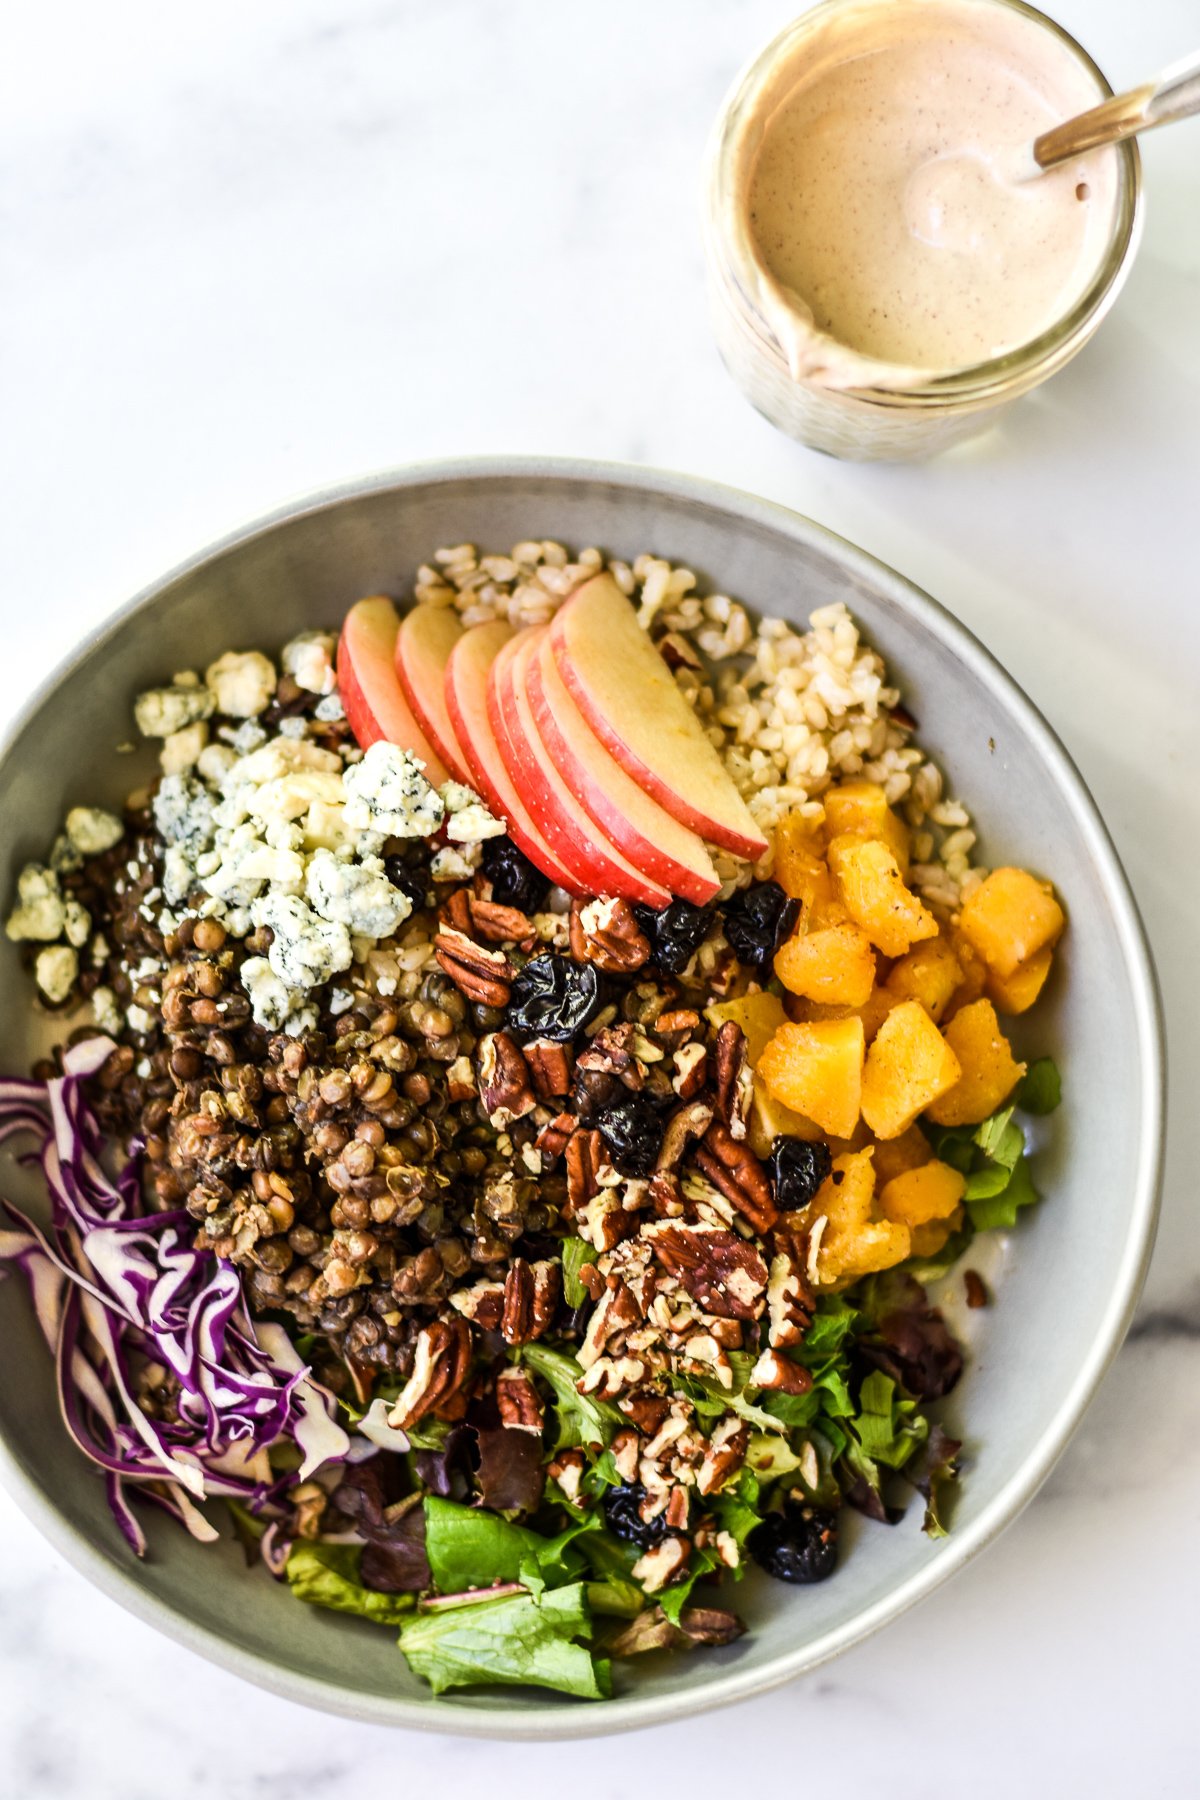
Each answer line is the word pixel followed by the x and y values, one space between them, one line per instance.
pixel 877 421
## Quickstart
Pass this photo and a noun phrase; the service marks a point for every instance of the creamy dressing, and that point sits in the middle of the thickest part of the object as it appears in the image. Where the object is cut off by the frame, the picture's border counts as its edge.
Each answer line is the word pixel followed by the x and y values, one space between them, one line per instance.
pixel 887 197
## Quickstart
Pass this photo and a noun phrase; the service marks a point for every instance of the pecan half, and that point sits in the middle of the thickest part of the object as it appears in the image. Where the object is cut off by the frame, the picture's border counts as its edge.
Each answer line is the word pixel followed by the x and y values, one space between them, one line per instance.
pixel 441 1364
pixel 731 1078
pixel 530 1299
pixel 689 1121
pixel 496 924
pixel 737 1173
pixel 518 1402
pixel 720 1270
pixel 585 1153
pixel 661 1565
pixel 605 932
pixel 503 1079
pixel 483 976
pixel 549 1068
pixel 778 1373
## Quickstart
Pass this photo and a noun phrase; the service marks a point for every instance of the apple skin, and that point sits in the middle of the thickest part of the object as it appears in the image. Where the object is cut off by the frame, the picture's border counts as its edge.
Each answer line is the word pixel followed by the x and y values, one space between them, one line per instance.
pixel 617 679
pixel 576 839
pixel 426 637
pixel 372 696
pixel 466 687
pixel 647 835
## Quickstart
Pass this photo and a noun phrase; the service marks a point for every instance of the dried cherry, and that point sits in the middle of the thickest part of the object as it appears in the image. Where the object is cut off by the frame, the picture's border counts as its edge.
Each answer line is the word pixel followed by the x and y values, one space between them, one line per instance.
pixel 621 1509
pixel 515 880
pixel 798 1544
pixel 757 921
pixel 633 1131
pixel 797 1169
pixel 675 933
pixel 554 998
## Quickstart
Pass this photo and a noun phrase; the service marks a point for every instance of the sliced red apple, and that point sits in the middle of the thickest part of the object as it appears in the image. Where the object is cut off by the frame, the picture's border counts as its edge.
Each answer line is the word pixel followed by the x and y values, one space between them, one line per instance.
pixel 628 696
pixel 466 687
pixel 637 824
pixel 580 843
pixel 427 636
pixel 369 688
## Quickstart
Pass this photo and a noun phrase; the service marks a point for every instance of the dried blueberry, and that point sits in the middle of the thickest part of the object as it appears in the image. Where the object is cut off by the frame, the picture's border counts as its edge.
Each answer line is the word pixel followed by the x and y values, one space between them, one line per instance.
pixel 797 1170
pixel 799 1544
pixel 515 881
pixel 621 1509
pixel 409 871
pixel 757 921
pixel 633 1132
pixel 554 998
pixel 675 933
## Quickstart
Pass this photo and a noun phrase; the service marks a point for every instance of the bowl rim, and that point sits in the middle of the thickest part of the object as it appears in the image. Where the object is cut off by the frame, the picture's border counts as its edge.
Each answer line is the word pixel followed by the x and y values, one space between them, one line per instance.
pixel 552 1721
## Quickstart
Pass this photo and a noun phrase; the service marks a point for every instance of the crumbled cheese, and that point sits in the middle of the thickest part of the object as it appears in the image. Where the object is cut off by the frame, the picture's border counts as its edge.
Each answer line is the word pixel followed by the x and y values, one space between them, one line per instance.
pixel 387 793
pixel 182 750
pixel 330 709
pixel 77 924
pixel 91 830
pixel 452 864
pixel 244 739
pixel 468 820
pixel 340 1000
pixel 106 1011
pixel 270 1000
pixel 214 763
pixel 39 914
pixel 355 894
pixel 243 683
pixel 178 874
pixel 308 659
pixel 293 728
pixel 100 948
pixel 306 950
pixel 305 1018
pixel 183 811
pixel 64 857
pixel 55 970
pixel 139 1020
pixel 160 712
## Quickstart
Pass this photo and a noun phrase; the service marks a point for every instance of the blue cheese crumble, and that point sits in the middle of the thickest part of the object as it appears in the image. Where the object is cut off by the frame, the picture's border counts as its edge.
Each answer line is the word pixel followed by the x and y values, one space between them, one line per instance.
pixel 307 950
pixel 39 915
pixel 387 793
pixel 468 820
pixel 356 895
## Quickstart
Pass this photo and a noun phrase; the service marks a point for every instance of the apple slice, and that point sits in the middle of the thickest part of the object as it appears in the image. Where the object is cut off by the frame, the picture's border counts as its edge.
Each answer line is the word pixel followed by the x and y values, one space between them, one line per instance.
pixel 637 824
pixel 582 844
pixel 427 636
pixel 466 686
pixel 370 692
pixel 627 694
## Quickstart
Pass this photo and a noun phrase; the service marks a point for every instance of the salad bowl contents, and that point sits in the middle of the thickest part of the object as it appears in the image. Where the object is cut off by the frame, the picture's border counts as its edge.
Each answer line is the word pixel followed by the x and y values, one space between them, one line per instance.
pixel 520 1064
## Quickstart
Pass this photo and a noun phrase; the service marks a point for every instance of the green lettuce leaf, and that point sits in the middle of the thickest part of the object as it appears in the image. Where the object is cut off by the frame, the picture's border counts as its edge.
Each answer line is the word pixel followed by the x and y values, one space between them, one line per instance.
pixel 1040 1088
pixel 327 1575
pixel 575 1254
pixel 888 1427
pixel 514 1642
pixel 992 1155
pixel 581 1420
pixel 470 1548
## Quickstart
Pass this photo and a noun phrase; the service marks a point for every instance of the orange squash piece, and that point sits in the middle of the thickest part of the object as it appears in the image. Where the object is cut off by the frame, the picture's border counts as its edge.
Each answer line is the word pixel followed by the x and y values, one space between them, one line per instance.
pixel 908 1067
pixel 854 1240
pixel 817 1070
pixel 871 888
pixel 872 1012
pixel 989 1074
pixel 860 809
pixel 930 973
pixel 1017 992
pixel 900 1154
pixel 930 1192
pixel 834 964
pixel 1010 917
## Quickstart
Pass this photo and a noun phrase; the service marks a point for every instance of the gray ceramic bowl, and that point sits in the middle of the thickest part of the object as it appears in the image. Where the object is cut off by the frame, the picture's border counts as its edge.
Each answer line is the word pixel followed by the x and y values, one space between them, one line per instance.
pixel 1077 1263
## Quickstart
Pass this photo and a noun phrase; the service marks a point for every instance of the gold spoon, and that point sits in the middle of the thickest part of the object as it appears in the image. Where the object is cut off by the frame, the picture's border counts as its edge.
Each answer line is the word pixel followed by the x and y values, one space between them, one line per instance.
pixel 1174 95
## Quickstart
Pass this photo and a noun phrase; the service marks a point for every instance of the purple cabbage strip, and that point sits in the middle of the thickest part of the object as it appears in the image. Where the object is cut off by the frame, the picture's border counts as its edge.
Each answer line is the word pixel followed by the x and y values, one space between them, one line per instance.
pixel 114 1290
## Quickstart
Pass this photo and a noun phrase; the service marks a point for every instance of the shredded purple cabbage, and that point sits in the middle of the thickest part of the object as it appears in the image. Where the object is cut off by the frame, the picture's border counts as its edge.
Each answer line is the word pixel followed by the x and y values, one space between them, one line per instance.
pixel 117 1291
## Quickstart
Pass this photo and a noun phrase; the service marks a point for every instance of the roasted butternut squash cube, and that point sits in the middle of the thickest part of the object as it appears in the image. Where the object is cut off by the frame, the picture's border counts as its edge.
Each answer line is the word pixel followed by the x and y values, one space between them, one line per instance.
pixel 900 1154
pixel 1010 917
pixel 919 1195
pixel 1017 992
pixel 930 973
pixel 908 1067
pixel 989 1071
pixel 759 1015
pixel 974 973
pixel 871 888
pixel 817 1070
pixel 874 1010
pixel 768 1119
pixel 834 964
pixel 802 872
pixel 927 1240
pixel 854 1240
pixel 860 809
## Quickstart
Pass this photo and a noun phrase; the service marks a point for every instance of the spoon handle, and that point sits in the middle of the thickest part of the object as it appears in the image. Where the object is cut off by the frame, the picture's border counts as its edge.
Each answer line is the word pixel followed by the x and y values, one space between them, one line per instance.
pixel 1174 95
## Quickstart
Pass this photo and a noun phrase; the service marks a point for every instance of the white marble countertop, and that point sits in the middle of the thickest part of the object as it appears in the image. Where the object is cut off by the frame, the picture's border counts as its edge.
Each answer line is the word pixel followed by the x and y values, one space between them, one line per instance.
pixel 252 249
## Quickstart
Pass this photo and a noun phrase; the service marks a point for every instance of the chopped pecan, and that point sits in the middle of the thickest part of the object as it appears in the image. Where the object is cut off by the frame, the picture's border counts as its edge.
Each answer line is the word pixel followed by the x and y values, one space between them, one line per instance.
pixel 691 1069
pixel 496 924
pixel 731 1078
pixel 585 1153
pixel 665 1195
pixel 567 1469
pixel 503 1080
pixel 591 1280
pixel 679 1022
pixel 661 1564
pixel 646 1410
pixel 611 1376
pixel 720 1270
pixel 460 1079
pixel 616 1312
pixel 677 1509
pixel 789 1298
pixel 441 1364
pixel 483 976
pixel 625 1449
pixel 734 1169
pixel 725 1454
pixel 483 1304
pixel 518 1402
pixel 677 652
pixel 613 1051
pixel 689 1121
pixel 549 1068
pixel 778 1373
pixel 728 1333
pixel 455 911
pixel 530 1299
pixel 606 933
